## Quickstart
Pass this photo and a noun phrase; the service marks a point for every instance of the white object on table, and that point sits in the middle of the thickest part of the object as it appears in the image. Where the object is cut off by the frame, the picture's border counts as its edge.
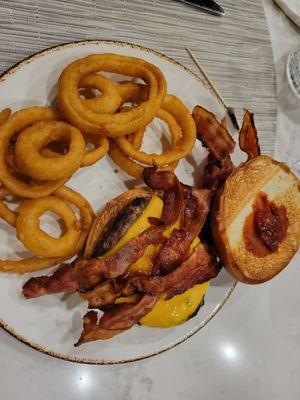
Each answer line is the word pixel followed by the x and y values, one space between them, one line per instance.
pixel 293 71
pixel 291 8
pixel 285 38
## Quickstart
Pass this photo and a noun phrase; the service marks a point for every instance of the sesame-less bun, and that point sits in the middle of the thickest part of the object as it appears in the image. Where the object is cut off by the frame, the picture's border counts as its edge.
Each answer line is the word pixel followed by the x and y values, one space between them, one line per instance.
pixel 113 221
pixel 236 216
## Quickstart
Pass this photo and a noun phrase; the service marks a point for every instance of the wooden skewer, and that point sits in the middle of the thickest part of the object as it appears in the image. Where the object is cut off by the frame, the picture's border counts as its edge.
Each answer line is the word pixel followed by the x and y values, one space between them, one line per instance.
pixel 229 110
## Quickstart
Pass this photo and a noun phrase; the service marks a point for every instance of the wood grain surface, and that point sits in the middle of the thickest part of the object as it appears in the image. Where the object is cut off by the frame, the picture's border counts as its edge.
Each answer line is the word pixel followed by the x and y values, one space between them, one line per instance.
pixel 235 50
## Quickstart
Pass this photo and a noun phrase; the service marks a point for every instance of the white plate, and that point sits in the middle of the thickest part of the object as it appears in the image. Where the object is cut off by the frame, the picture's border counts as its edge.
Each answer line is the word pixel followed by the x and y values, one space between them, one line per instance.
pixel 52 324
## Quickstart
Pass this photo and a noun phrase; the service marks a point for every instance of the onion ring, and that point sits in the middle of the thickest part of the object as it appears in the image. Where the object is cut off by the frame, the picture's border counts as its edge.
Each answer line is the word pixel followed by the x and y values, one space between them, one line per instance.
pixel 43 244
pixel 110 99
pixel 30 142
pixel 180 148
pixel 124 162
pixel 35 263
pixel 112 125
pixel 130 166
pixel 19 121
pixel 132 92
pixel 101 148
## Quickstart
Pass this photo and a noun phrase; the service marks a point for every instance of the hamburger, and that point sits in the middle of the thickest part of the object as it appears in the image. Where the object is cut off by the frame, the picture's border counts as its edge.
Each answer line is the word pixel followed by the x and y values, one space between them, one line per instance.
pixel 143 260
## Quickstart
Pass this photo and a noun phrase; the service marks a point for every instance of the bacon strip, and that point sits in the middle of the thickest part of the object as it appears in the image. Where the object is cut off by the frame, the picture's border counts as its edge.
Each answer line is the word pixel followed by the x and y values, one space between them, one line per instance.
pixel 203 201
pixel 173 197
pixel 214 136
pixel 216 173
pixel 200 267
pixel 176 249
pixel 248 139
pixel 102 295
pixel 115 321
pixel 107 293
pixel 84 274
pixel 63 279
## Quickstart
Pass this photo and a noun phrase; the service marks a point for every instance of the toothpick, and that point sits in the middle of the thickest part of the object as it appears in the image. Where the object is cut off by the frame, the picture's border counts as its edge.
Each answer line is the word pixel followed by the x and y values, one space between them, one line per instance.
pixel 229 109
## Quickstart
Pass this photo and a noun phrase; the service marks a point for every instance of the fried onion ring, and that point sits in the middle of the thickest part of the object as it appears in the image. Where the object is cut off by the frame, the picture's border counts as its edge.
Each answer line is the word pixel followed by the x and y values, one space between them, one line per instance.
pixel 110 99
pixel 101 147
pixel 91 156
pixel 132 92
pixel 112 125
pixel 35 239
pixel 30 142
pixel 124 162
pixel 36 263
pixel 15 124
pixel 130 166
pixel 177 116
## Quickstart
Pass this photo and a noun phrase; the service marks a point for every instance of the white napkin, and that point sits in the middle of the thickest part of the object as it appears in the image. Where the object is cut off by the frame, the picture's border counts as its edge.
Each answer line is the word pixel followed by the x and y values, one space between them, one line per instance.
pixel 291 8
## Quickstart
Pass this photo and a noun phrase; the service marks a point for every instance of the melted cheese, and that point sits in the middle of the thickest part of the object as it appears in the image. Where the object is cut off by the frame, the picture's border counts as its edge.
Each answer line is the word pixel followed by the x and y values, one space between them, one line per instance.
pixel 166 313
pixel 153 209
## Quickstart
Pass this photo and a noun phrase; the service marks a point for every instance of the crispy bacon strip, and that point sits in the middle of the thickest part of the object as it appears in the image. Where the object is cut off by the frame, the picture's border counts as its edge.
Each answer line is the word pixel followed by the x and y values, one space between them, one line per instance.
pixel 203 201
pixel 102 295
pixel 176 249
pixel 248 139
pixel 115 321
pixel 198 268
pixel 173 197
pixel 63 279
pixel 107 293
pixel 214 136
pixel 216 173
pixel 84 274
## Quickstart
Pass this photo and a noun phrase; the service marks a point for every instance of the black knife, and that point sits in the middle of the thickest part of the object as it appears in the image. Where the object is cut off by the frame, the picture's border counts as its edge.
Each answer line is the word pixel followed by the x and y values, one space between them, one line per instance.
pixel 209 6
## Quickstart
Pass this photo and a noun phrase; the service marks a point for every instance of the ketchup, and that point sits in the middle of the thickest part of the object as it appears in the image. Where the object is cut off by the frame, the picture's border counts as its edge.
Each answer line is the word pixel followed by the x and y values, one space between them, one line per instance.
pixel 266 227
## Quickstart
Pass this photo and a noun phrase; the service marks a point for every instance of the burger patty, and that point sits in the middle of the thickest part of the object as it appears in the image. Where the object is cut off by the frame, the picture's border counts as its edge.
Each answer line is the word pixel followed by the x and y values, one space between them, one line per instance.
pixel 120 224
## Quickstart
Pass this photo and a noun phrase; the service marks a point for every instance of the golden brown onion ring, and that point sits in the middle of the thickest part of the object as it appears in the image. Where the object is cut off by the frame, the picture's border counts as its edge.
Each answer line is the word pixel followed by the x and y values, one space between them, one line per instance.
pixel 124 162
pixel 32 140
pixel 132 92
pixel 101 148
pixel 35 239
pixel 110 99
pixel 14 125
pixel 130 166
pixel 36 263
pixel 112 125
pixel 180 148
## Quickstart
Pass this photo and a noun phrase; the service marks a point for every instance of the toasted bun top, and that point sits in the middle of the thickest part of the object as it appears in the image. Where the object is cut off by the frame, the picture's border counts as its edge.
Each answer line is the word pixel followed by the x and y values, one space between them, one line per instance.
pixel 104 221
pixel 233 210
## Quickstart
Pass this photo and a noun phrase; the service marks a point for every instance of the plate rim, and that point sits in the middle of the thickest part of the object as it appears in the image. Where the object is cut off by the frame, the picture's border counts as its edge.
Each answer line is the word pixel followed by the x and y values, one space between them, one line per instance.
pixel 80 360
